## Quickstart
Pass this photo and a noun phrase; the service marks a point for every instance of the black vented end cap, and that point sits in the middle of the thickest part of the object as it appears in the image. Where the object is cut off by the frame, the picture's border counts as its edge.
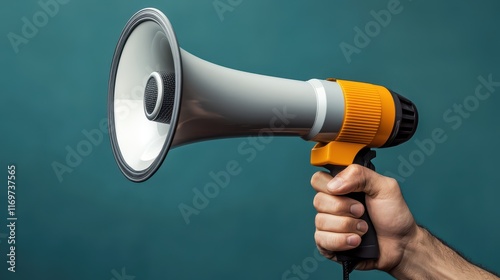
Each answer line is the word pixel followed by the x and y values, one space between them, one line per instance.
pixel 159 96
pixel 406 121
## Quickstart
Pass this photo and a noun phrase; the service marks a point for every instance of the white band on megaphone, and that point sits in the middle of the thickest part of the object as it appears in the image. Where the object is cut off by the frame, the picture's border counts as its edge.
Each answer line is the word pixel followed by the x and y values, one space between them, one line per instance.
pixel 321 102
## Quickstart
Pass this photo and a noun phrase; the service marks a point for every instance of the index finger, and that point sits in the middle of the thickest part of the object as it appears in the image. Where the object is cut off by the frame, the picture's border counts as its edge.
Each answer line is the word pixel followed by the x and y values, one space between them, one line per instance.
pixel 319 181
pixel 356 178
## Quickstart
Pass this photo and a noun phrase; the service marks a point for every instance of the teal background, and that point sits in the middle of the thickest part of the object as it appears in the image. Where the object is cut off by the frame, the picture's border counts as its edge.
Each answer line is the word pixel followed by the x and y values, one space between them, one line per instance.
pixel 97 225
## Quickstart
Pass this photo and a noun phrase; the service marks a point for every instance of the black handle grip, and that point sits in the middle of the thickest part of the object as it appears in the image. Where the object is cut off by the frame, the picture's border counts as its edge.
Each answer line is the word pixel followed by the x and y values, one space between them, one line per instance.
pixel 368 249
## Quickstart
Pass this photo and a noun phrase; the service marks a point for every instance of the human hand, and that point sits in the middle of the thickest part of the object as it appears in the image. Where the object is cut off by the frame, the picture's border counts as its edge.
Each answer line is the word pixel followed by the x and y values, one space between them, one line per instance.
pixel 407 251
pixel 338 227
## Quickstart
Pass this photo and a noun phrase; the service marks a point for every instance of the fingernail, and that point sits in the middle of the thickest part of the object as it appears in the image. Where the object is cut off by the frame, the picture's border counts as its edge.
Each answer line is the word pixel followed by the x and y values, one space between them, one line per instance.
pixel 334 184
pixel 356 210
pixel 362 226
pixel 352 240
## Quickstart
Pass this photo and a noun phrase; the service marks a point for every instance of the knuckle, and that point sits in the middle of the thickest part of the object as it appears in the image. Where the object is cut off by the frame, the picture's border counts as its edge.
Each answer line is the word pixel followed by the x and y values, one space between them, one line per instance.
pixel 391 182
pixel 335 205
pixel 356 169
pixel 318 201
pixel 391 186
pixel 323 240
pixel 315 201
pixel 318 238
pixel 315 178
pixel 319 221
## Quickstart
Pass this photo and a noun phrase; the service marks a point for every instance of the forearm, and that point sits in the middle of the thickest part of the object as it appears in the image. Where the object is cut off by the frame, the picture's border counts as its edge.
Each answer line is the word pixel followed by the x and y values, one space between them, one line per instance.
pixel 427 257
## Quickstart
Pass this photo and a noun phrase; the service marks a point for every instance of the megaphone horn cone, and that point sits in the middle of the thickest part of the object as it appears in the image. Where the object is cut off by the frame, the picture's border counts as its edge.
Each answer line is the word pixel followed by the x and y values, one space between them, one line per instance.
pixel 142 126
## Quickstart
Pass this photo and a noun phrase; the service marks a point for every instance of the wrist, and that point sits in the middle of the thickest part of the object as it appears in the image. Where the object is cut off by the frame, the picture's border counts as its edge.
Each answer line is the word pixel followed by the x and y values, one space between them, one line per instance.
pixel 426 257
pixel 415 256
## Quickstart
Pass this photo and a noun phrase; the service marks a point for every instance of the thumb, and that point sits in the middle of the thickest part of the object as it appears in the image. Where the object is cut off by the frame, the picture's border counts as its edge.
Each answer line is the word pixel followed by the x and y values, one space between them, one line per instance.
pixel 356 178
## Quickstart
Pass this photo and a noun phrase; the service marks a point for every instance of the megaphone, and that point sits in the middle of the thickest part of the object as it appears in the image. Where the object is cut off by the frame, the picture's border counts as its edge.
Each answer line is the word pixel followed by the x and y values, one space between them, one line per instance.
pixel 161 97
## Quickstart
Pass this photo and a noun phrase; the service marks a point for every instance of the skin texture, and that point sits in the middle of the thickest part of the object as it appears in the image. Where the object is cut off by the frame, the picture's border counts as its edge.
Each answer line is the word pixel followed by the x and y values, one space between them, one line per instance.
pixel 407 251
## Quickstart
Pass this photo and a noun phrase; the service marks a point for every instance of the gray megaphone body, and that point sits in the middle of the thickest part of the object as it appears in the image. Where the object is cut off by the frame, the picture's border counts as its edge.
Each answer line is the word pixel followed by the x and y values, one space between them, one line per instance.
pixel 161 97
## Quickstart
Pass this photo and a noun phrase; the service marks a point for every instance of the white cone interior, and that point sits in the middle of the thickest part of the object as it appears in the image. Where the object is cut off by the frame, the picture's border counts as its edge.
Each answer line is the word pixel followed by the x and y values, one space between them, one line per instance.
pixel 140 140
